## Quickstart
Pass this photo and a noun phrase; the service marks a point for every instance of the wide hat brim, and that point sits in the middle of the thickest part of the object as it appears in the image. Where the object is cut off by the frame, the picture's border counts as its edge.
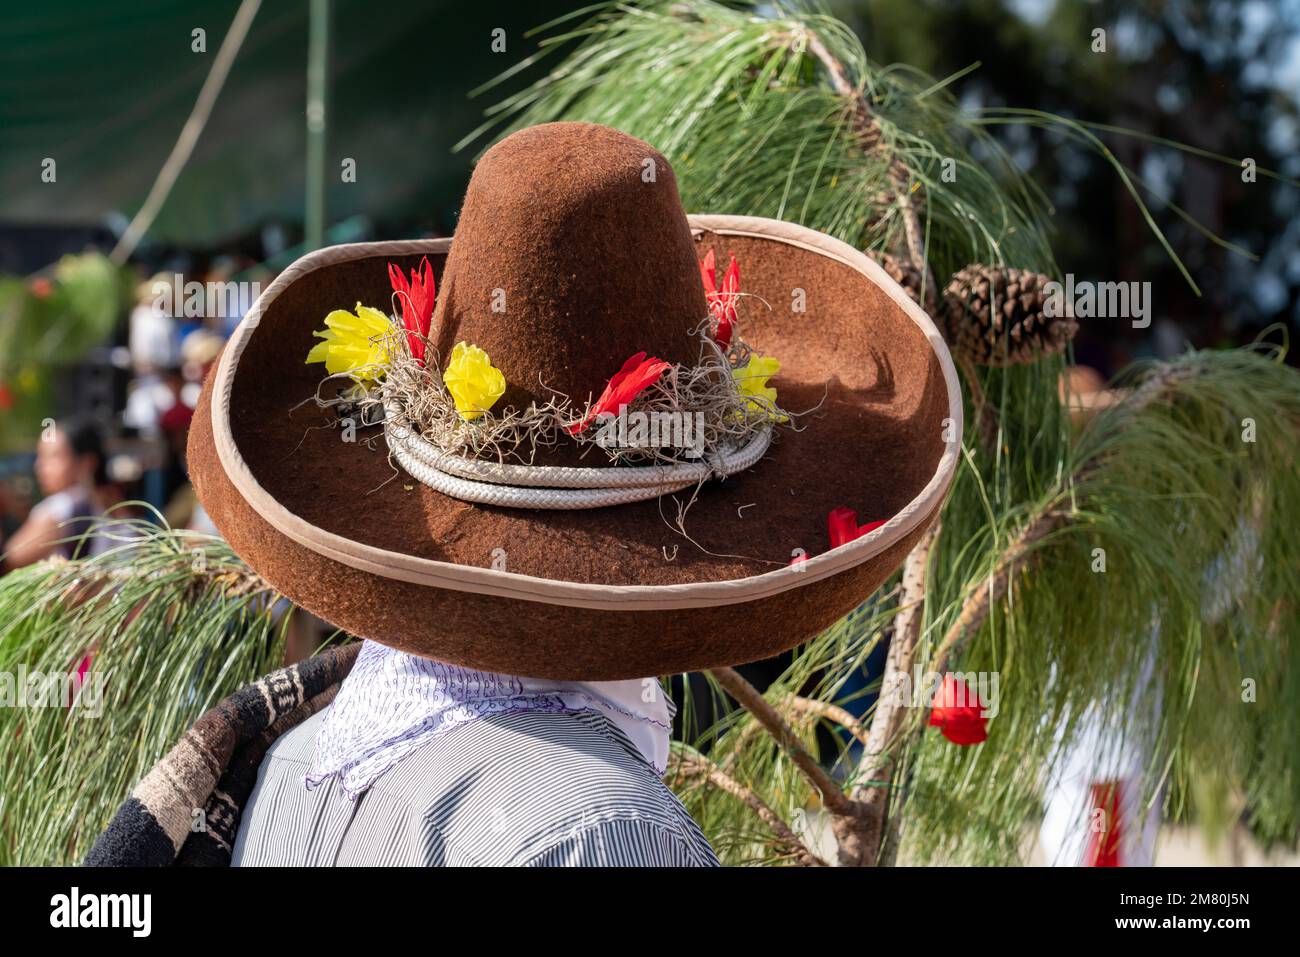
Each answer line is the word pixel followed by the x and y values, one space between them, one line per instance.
pixel 605 593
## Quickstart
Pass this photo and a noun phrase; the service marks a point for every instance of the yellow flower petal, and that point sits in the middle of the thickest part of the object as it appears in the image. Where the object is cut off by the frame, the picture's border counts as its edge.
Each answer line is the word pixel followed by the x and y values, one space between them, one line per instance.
pixel 751 382
pixel 318 352
pixel 353 343
pixel 474 383
pixel 377 321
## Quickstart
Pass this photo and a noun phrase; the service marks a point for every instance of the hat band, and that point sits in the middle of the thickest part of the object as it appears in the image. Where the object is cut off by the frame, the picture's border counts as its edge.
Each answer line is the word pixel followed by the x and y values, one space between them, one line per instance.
pixel 554 487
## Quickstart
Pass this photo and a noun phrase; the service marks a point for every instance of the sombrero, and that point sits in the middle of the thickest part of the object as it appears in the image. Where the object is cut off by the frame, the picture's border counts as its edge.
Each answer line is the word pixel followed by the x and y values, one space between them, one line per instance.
pixel 573 272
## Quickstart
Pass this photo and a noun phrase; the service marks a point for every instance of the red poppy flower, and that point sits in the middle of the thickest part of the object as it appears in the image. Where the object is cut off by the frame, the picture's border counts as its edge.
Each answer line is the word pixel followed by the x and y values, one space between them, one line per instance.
pixel 417 298
pixel 722 302
pixel 41 287
pixel 842 524
pixel 958 713
pixel 637 375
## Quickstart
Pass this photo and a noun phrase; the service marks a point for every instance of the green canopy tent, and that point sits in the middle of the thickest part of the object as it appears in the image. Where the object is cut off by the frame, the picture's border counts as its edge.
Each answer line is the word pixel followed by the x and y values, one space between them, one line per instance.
pixel 107 98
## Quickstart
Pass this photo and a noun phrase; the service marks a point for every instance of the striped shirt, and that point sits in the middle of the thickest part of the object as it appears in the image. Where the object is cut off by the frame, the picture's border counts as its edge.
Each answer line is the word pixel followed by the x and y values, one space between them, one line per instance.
pixel 524 788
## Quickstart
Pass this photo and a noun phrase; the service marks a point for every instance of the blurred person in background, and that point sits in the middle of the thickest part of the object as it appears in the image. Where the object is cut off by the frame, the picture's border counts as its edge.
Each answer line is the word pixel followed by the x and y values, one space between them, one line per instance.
pixel 228 305
pixel 154 343
pixel 71 471
pixel 151 336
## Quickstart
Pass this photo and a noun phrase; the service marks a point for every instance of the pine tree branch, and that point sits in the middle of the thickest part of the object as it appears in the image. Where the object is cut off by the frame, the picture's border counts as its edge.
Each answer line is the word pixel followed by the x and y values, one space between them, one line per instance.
pixel 890 728
pixel 1015 559
pixel 975 609
pixel 753 701
pixel 234 582
pixel 850 820
pixel 829 712
pixel 875 770
pixel 890 709
pixel 699 765
pixel 872 135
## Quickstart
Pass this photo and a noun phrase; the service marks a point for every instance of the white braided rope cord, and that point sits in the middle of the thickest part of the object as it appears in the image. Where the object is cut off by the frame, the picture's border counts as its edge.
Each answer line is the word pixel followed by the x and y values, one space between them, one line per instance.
pixel 554 487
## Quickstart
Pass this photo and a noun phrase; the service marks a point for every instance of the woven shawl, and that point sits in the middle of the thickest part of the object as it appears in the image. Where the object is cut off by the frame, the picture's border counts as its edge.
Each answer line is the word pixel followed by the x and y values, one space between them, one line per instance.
pixel 213 768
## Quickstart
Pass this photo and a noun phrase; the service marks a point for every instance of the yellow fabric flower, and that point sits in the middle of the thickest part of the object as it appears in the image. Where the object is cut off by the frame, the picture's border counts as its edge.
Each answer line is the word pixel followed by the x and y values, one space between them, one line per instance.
pixel 354 343
pixel 751 381
pixel 474 383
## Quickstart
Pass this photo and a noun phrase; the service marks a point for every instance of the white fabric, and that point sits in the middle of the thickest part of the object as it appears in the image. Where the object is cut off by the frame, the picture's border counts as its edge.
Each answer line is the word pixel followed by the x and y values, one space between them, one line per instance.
pixel 392 703
pixel 1100 755
pixel 151 339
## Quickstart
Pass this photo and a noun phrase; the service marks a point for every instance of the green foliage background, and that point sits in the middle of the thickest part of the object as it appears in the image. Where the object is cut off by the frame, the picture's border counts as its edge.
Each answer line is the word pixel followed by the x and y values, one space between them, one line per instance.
pixel 1199 590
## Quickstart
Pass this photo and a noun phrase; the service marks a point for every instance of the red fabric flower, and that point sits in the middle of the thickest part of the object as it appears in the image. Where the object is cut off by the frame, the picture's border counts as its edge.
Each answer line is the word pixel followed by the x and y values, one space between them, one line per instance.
pixel 842 524
pixel 637 374
pixel 722 301
pixel 958 713
pixel 417 298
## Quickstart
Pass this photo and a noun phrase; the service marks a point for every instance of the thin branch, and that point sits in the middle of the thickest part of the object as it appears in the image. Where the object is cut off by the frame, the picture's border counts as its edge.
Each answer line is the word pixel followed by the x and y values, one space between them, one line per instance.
pixel 753 701
pixel 890 710
pixel 829 712
pixel 872 135
pixel 190 133
pixel 699 765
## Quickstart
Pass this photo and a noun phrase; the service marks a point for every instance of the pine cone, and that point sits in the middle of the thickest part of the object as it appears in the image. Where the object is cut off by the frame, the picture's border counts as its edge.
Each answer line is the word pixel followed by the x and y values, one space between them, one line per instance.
pixel 902 272
pixel 995 317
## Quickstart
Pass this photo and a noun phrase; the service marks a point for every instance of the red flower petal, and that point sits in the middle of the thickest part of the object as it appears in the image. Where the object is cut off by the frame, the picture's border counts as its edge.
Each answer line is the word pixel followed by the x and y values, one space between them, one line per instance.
pixel 709 275
pixel 397 279
pixel 731 281
pixel 638 374
pixel 417 299
pixel 964 733
pixel 427 297
pixel 958 713
pixel 721 303
pixel 842 525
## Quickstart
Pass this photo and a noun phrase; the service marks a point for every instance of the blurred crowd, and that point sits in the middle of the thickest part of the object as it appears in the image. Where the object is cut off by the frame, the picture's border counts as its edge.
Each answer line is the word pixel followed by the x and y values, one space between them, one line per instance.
pixel 126 460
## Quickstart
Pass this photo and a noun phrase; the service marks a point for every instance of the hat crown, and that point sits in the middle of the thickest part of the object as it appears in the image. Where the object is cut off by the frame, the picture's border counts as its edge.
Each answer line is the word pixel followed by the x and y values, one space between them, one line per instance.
pixel 572 253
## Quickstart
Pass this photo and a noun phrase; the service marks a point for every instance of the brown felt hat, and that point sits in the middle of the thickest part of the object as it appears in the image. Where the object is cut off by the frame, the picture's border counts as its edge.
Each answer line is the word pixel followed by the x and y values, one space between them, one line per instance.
pixel 581 229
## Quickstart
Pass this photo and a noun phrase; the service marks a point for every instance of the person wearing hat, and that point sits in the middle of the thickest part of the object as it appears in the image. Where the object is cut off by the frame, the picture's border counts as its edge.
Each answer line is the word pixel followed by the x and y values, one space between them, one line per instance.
pixel 554 469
